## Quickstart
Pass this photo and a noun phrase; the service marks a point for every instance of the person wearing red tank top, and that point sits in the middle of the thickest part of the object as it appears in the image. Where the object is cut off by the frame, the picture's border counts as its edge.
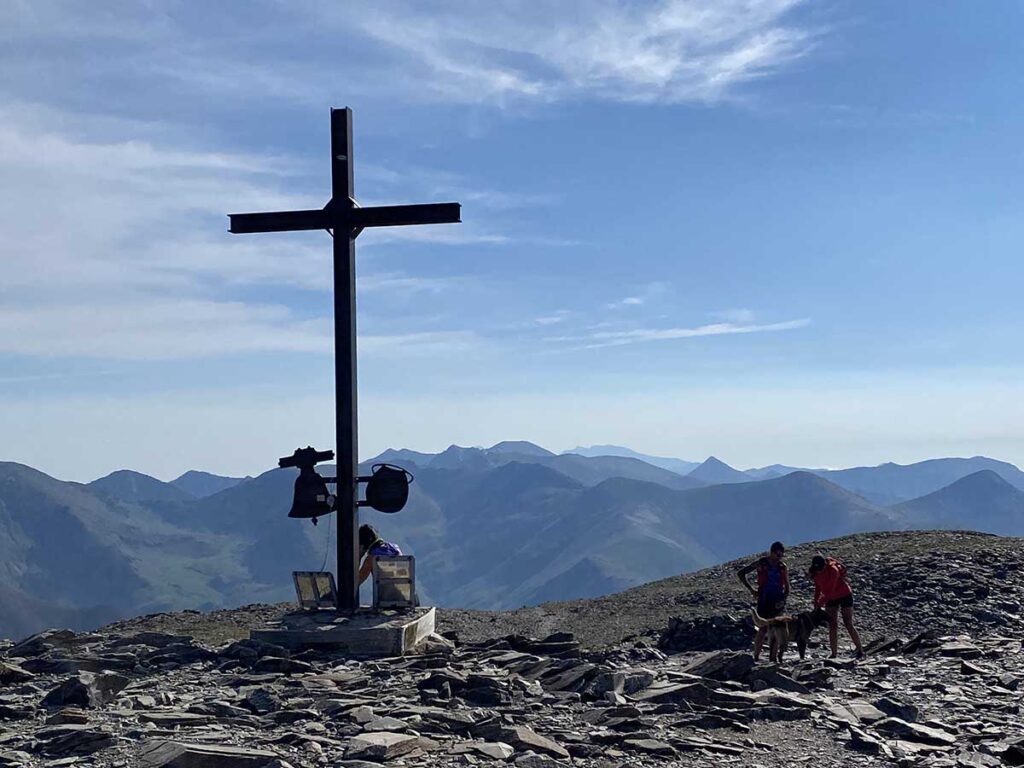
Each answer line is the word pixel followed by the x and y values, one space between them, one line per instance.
pixel 832 592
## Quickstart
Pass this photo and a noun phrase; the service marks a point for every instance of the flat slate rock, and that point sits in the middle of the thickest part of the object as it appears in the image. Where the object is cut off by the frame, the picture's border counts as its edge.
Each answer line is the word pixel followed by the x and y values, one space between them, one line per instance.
pixel 381 745
pixel 62 740
pixel 914 732
pixel 173 754
pixel 86 690
pixel 523 739
pixel 385 724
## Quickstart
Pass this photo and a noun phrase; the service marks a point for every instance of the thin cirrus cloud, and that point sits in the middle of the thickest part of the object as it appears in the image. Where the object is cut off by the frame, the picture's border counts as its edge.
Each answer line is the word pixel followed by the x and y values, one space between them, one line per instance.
pixel 641 297
pixel 140 267
pixel 499 52
pixel 666 51
pixel 600 339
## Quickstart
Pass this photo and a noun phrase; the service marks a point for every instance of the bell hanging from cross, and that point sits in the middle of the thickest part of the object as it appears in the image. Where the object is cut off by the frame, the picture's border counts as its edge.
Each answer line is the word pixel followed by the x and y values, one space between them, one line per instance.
pixel 311 499
pixel 387 489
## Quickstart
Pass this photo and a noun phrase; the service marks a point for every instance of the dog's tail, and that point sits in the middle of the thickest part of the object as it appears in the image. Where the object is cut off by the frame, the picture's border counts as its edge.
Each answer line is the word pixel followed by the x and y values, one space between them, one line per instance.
pixel 758 621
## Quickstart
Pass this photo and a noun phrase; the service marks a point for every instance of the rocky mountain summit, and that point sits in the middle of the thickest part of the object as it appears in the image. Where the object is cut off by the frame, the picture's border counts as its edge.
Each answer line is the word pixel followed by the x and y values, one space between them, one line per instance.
pixel 941 685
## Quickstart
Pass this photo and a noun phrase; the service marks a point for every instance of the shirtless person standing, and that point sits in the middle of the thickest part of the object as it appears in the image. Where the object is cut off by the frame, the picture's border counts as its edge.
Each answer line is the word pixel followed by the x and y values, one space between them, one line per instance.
pixel 772 588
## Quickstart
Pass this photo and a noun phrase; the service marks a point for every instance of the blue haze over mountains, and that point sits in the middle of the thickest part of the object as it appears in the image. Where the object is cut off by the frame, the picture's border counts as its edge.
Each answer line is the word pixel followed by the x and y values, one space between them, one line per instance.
pixel 500 527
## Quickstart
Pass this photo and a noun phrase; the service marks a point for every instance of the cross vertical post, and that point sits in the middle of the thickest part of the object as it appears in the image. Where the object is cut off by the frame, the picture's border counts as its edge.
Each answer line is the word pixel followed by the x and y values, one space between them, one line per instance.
pixel 345 220
pixel 345 388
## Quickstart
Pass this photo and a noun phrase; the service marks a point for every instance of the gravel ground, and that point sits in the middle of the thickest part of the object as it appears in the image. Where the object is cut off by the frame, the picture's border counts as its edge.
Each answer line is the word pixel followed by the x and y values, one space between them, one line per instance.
pixel 875 560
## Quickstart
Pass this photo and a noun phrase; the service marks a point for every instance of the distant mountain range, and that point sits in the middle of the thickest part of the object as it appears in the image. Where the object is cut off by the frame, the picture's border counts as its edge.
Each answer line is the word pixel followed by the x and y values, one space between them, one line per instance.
pixel 885 484
pixel 497 527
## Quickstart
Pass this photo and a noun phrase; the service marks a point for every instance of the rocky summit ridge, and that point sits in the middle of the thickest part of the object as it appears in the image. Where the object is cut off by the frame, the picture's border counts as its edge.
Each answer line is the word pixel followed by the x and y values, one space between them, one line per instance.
pixel 941 685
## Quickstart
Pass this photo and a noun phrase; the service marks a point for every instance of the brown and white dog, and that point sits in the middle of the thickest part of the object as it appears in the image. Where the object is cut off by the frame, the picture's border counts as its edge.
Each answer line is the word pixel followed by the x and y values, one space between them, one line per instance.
pixel 782 629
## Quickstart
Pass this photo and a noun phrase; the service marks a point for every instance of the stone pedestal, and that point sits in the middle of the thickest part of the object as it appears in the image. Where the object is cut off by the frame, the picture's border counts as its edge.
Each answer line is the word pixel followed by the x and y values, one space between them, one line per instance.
pixel 365 633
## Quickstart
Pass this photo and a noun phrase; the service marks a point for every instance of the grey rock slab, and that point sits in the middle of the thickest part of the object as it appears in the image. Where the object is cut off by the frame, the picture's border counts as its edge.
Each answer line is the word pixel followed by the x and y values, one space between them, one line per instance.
pixel 362 714
pixel 913 732
pixel 174 718
pixel 292 716
pixel 865 711
pixel 840 713
pixel 281 666
pixel 695 743
pixel 381 745
pixel 385 724
pixel 41 642
pixel 151 639
pixel 12 673
pixel 455 721
pixel 898 708
pixel 86 690
pixel 650 746
pixel 862 741
pixel 960 649
pixel 623 681
pixel 673 692
pixel 532 760
pixel 263 701
pixel 721 665
pixel 966 668
pixel 173 754
pixel 68 716
pixel 1013 753
pixel 496 750
pixel 762 678
pixel 63 740
pixel 568 679
pixel 523 739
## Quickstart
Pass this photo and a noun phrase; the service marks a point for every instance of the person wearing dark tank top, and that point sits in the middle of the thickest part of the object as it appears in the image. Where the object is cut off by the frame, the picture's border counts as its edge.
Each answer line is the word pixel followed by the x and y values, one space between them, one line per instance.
pixel 772 588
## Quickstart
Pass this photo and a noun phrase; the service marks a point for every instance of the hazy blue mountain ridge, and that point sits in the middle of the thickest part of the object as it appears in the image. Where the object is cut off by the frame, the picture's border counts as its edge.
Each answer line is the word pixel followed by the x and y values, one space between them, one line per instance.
pixel 679 466
pixel 127 485
pixel 203 484
pixel 491 528
pixel 984 499
pixel 714 472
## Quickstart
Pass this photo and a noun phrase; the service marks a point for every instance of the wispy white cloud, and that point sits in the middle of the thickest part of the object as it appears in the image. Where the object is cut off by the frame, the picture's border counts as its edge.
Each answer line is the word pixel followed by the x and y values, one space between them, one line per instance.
pixel 599 339
pixel 428 343
pixel 498 52
pixel 153 329
pixel 399 282
pixel 438 184
pixel 642 296
pixel 629 301
pixel 668 50
pixel 737 315
pixel 60 376
pixel 554 318
pixel 117 249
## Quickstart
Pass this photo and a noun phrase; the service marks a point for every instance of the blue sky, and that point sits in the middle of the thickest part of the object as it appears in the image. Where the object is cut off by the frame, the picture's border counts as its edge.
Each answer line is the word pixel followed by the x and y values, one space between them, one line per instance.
pixel 769 230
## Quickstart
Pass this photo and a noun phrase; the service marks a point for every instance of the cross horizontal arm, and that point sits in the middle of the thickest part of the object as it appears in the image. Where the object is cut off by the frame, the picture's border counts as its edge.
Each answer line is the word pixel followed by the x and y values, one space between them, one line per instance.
pixel 403 215
pixel 356 218
pixel 281 221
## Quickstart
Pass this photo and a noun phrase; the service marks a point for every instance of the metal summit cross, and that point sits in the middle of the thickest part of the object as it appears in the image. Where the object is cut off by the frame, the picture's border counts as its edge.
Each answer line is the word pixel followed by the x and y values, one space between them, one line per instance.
pixel 343 217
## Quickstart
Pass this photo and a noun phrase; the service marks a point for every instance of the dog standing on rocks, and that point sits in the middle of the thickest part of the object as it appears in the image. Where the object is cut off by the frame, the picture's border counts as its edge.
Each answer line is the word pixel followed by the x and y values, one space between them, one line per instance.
pixel 782 629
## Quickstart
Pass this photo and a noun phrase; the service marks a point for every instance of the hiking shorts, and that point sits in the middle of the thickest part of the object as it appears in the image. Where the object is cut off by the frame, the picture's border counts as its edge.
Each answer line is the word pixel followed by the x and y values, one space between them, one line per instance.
pixel 841 602
pixel 769 609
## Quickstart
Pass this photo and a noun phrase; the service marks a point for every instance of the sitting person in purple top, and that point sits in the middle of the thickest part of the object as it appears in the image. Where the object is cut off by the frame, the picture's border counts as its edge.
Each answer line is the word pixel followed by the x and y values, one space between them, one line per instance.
pixel 371 546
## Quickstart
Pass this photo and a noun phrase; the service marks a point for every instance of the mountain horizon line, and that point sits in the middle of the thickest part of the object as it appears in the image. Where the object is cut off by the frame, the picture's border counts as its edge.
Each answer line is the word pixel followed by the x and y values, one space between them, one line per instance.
pixel 194 479
pixel 488 527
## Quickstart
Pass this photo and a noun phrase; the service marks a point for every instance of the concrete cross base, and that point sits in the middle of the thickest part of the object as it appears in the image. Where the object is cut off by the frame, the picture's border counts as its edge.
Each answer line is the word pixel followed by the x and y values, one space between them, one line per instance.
pixel 365 633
